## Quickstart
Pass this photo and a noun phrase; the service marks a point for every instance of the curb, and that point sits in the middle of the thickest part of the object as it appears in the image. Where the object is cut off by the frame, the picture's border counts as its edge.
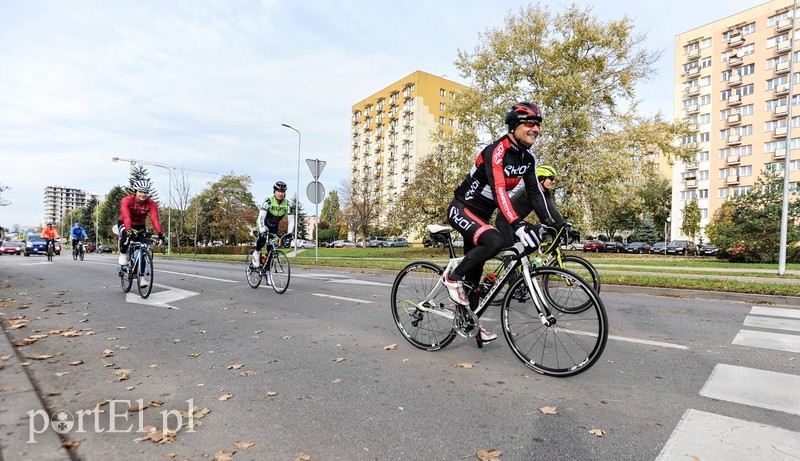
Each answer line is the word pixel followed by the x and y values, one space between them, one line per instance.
pixel 778 300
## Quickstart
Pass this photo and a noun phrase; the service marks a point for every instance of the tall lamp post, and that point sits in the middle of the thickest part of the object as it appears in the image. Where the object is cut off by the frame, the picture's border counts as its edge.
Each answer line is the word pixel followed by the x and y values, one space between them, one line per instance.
pixel 297 205
pixel 666 225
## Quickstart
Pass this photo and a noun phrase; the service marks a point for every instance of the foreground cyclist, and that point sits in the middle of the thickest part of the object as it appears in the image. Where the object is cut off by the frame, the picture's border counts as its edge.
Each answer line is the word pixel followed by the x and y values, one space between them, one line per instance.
pixel 498 169
pixel 270 214
pixel 134 210
pixel 78 234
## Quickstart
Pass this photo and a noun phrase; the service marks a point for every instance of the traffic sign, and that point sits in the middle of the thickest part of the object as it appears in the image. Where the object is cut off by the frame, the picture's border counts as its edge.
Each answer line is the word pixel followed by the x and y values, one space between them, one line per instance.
pixel 316 166
pixel 315 192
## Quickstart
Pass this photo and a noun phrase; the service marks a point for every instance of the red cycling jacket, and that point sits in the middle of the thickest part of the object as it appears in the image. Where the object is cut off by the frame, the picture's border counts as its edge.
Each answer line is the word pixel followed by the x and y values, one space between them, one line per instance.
pixel 134 213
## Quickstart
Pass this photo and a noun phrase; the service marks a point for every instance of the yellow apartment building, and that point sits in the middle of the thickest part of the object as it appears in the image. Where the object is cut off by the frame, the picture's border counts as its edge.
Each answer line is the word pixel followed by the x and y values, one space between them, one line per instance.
pixel 391 133
pixel 732 83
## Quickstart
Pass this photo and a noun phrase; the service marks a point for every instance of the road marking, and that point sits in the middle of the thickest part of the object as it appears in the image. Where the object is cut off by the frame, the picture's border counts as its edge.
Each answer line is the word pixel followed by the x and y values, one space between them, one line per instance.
pixel 196 276
pixel 160 298
pixel 648 342
pixel 776 312
pixel 758 388
pixel 342 279
pixel 778 341
pixel 709 437
pixel 321 295
pixel 774 323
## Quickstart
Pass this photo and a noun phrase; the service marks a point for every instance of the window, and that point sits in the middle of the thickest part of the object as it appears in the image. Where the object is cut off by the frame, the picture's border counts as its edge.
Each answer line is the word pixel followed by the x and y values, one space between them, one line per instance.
pixel 704 118
pixel 724 173
pixel 703 156
pixel 744 170
pixel 702 193
pixel 705 137
pixel 743 151
pixel 705 99
pixel 702 175
pixel 441 120
pixel 741 190
pixel 442 92
pixel 451 122
pixel 723 192
pixel 703 213
pixel 774 20
pixel 441 106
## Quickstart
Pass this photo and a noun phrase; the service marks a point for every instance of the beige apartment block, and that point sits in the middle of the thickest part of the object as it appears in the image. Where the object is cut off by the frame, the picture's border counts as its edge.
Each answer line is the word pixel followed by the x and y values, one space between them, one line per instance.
pixel 391 133
pixel 732 83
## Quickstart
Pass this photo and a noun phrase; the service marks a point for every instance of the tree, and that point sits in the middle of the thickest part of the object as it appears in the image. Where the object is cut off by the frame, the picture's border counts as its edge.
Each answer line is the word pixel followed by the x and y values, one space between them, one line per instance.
pixel 302 229
pixel 583 73
pixel 228 210
pixel 362 206
pixel 182 199
pixel 139 172
pixel 3 202
pixel 330 213
pixel 109 212
pixel 747 227
pixel 691 219
pixel 647 231
pixel 656 195
pixel 88 218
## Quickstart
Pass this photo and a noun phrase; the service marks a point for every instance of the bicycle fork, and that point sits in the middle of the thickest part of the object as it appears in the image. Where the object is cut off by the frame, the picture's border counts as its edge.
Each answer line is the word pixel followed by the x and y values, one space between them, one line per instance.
pixel 545 316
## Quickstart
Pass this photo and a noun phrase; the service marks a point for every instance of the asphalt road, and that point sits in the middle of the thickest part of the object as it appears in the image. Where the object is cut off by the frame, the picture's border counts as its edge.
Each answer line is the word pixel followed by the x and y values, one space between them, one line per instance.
pixel 314 371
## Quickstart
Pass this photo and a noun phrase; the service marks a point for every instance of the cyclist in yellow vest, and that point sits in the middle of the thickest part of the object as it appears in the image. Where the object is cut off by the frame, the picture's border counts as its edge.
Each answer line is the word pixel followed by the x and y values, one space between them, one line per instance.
pixel 270 214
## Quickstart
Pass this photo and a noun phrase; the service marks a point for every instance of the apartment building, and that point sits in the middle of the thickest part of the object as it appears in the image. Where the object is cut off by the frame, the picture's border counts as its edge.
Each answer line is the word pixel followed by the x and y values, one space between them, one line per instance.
pixel 391 132
pixel 732 83
pixel 60 201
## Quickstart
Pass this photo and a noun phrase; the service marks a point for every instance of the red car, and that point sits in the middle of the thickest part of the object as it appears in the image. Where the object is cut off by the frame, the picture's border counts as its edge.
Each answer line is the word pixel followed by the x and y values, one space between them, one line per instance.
pixel 11 248
pixel 595 245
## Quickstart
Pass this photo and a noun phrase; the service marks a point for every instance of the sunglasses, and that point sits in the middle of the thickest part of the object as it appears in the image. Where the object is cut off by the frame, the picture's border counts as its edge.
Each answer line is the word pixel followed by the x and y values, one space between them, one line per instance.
pixel 551 178
pixel 531 123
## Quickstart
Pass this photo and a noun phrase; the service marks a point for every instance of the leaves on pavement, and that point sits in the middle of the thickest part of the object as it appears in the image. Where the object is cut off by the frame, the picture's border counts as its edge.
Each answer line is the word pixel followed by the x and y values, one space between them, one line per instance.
pixel 489 455
pixel 463 365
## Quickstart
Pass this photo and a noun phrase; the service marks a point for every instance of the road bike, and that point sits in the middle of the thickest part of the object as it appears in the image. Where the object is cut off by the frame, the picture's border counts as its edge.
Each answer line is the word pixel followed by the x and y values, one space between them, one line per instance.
pixel 559 329
pixel 139 264
pixel 550 254
pixel 78 251
pixel 51 249
pixel 273 267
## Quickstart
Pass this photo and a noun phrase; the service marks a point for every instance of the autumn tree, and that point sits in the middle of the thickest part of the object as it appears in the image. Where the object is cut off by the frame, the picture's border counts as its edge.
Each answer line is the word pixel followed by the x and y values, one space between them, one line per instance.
pixel 362 206
pixel 583 73
pixel 691 219
pixel 109 212
pixel 228 211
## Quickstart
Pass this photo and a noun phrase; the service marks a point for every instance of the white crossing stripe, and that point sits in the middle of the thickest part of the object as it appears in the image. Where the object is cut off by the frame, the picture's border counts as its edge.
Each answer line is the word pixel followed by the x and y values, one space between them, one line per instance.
pixel 758 388
pixel 777 341
pixel 776 312
pixel 775 323
pixel 322 295
pixel 709 437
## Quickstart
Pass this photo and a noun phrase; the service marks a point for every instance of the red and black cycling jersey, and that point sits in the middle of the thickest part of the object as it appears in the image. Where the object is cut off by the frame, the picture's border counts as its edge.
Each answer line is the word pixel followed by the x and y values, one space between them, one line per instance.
pixel 134 213
pixel 497 170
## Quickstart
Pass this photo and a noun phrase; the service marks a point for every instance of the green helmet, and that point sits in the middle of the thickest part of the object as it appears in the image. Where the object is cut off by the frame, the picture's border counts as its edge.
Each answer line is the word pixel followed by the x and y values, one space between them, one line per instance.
pixel 545 171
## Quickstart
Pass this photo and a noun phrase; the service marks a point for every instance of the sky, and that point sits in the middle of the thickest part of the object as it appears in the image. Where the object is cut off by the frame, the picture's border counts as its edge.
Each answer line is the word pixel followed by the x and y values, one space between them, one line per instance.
pixel 206 85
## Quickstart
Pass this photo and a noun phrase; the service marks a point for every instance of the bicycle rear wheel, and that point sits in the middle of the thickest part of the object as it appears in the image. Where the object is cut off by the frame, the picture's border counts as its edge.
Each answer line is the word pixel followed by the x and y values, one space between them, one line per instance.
pixel 583 268
pixel 253 273
pixel 144 279
pixel 279 271
pixel 421 325
pixel 573 341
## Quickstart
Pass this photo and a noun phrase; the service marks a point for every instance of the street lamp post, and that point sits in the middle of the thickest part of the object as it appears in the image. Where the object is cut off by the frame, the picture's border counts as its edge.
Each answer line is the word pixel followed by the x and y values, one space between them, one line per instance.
pixel 666 224
pixel 297 204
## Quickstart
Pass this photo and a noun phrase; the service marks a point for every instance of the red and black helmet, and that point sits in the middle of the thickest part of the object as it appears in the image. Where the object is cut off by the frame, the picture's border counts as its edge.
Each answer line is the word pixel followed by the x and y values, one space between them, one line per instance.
pixel 522 112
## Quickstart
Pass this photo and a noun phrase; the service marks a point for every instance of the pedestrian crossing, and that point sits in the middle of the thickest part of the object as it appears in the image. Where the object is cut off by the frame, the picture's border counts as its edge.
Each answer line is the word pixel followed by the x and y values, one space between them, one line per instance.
pixel 707 436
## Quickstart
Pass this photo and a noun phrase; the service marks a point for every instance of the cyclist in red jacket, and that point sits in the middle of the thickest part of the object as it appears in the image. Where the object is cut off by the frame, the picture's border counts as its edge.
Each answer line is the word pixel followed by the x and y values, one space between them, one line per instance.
pixel 134 210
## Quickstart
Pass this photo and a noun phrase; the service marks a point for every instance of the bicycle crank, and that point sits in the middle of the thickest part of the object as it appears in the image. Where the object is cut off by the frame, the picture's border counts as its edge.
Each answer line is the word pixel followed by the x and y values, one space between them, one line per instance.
pixel 465 322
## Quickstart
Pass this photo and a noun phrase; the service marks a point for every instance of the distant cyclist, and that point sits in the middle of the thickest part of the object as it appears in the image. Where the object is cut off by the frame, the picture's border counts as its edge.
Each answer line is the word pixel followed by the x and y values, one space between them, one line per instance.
pixel 134 210
pixel 270 214
pixel 50 234
pixel 78 234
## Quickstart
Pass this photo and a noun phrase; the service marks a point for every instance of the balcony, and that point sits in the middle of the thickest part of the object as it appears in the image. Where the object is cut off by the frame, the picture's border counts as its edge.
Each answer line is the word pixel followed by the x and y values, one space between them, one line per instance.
pixel 781 89
pixel 693 71
pixel 735 80
pixel 782 67
pixel 732 180
pixel 735 40
pixel 779 154
pixel 692 166
pixel 693 109
pixel 783 47
pixel 784 24
pixel 734 140
pixel 734 119
pixel 734 100
pixel 694 54
pixel 735 61
pixel 691 183
pixel 781 111
pixel 733 160
pixel 693 90
pixel 693 127
pixel 779 132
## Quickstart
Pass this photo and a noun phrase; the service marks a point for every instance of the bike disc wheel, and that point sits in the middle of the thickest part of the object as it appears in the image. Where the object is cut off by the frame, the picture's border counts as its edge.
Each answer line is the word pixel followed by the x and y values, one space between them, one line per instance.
pixel 253 274
pixel 279 271
pixel 144 279
pixel 422 327
pixel 572 342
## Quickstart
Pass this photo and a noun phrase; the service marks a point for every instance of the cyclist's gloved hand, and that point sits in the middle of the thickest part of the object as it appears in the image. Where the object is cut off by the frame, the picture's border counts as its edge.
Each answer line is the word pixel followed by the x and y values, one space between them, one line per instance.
pixel 574 234
pixel 161 236
pixel 526 236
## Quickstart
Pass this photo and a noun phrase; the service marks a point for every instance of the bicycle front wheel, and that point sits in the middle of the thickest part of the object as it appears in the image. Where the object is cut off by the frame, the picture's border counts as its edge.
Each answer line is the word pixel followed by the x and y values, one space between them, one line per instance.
pixel 126 278
pixel 253 273
pixel 74 254
pixel 81 254
pixel 144 279
pixel 428 326
pixel 558 343
pixel 279 271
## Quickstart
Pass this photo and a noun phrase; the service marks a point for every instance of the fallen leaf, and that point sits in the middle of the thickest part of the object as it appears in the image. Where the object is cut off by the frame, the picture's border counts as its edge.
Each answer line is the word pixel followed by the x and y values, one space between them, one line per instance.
pixel 108 353
pixel 339 359
pixel 7 388
pixel 223 456
pixel 41 357
pixel 156 435
pixel 137 408
pixel 70 443
pixel 287 337
pixel 225 397
pixel 130 388
pixel 62 373
pixel 258 332
pixel 195 355
pixel 390 347
pixel 489 455
pixel 336 381
pixel 121 328
pixel 597 432
pixel 271 394
pixel 122 374
pixel 5 357
pixel 76 362
pixel 549 410
pixel 463 365
pixel 302 457
pixel 202 332
pixel 156 403
pixel 176 341
pixel 235 366
pixel 244 445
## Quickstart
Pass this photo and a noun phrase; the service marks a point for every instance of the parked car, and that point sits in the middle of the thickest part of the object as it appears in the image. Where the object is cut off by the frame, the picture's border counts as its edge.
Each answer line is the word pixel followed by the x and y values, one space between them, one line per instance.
pixel 342 244
pixel 709 250
pixel 374 242
pixel 458 243
pixel 638 248
pixel 90 247
pixel 658 248
pixel 303 243
pixel 614 247
pixel 682 247
pixel 596 246
pixel 11 248
pixel 396 242
pixel 359 243
pixel 36 245
pixel 103 248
